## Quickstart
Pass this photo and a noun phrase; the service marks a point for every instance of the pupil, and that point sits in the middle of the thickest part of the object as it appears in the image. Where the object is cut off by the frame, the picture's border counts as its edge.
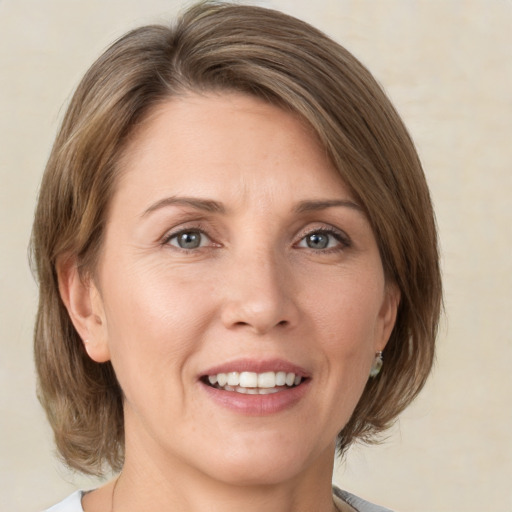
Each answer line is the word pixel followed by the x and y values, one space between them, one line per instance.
pixel 189 240
pixel 317 241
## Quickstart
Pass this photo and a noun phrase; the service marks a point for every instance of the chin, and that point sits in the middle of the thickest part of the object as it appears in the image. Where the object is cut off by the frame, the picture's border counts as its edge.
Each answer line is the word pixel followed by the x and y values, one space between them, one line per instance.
pixel 249 472
pixel 262 461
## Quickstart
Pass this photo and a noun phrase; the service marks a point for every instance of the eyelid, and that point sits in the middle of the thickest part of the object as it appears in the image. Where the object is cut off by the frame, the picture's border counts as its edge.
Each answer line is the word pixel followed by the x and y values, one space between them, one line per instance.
pixel 340 236
pixel 176 235
pixel 343 239
pixel 173 233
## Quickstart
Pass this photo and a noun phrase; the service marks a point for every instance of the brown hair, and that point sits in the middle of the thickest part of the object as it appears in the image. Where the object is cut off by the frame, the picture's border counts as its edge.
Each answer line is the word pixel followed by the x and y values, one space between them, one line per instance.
pixel 217 46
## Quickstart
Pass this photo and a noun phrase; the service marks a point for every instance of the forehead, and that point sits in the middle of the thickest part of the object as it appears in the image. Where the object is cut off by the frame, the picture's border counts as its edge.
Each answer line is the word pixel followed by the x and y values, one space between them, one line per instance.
pixel 220 139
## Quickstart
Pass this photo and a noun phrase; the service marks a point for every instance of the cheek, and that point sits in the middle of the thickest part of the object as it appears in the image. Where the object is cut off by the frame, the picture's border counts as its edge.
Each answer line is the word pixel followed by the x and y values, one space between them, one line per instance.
pixel 154 323
pixel 346 319
pixel 347 312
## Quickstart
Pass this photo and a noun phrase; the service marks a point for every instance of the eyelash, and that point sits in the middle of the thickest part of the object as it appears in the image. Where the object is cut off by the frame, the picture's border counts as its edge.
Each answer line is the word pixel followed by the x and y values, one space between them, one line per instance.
pixel 192 229
pixel 343 239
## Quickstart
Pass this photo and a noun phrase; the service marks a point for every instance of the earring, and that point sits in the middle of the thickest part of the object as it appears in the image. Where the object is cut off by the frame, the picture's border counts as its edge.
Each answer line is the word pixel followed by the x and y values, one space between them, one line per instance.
pixel 377 365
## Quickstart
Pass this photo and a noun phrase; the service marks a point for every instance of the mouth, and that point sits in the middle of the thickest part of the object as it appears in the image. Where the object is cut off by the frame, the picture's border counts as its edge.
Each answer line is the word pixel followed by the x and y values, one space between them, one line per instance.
pixel 252 383
pixel 256 387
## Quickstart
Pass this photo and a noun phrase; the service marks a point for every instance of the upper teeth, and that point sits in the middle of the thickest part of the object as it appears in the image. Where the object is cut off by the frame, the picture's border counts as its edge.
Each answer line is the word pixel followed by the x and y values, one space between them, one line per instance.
pixel 255 380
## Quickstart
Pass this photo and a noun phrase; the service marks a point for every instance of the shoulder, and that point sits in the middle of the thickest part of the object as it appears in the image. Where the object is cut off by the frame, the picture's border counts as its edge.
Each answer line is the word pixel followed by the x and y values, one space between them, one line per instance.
pixel 72 503
pixel 357 503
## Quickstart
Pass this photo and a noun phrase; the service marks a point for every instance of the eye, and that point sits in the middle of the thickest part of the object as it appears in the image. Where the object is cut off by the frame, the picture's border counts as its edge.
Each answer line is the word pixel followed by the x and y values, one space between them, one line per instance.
pixel 190 239
pixel 322 239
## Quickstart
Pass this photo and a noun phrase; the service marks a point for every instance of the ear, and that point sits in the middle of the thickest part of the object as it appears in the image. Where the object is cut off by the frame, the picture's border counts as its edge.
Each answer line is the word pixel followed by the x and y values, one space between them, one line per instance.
pixel 85 308
pixel 387 315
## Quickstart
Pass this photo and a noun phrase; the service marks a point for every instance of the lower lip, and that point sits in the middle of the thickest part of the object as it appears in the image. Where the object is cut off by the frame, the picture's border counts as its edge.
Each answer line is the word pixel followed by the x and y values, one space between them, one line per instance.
pixel 257 405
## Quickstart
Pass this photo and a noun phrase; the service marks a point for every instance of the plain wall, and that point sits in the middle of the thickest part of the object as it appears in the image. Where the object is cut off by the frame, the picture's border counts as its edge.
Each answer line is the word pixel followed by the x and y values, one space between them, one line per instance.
pixel 447 65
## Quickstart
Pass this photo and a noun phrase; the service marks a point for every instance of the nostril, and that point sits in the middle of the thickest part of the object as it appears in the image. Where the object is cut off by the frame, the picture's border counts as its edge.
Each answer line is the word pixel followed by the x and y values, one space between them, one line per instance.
pixel 240 324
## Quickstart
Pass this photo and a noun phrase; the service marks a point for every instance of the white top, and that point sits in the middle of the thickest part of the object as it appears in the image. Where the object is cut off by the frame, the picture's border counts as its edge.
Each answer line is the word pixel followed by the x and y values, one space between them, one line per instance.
pixel 73 503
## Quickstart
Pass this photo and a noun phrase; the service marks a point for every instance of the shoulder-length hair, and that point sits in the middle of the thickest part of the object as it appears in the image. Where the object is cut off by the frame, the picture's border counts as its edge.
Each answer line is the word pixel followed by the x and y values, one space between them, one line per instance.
pixel 286 62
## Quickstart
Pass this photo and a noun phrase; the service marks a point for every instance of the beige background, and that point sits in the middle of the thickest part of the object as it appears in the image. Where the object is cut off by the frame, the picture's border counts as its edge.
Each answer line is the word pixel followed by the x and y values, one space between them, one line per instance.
pixel 448 67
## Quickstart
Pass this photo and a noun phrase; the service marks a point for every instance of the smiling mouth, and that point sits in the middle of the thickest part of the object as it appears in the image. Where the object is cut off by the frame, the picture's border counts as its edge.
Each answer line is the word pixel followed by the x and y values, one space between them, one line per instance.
pixel 251 383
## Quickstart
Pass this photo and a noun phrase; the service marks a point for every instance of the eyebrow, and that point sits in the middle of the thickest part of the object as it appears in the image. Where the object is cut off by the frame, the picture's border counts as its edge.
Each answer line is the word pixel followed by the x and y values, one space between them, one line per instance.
pixel 206 205
pixel 310 206
pixel 209 205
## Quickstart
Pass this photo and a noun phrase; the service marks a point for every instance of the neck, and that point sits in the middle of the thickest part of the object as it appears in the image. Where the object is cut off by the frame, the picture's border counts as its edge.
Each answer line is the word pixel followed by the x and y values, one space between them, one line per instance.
pixel 149 481
pixel 134 497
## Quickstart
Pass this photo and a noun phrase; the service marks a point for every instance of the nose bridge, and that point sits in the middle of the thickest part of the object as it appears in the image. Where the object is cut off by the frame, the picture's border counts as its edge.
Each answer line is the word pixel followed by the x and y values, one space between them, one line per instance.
pixel 258 291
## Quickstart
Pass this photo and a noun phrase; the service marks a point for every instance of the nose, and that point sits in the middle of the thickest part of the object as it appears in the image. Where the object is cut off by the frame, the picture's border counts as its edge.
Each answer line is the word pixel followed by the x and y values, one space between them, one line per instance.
pixel 258 294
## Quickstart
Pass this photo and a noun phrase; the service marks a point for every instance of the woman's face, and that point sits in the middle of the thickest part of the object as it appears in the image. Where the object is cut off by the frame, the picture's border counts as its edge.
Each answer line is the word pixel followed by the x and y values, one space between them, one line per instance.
pixel 234 251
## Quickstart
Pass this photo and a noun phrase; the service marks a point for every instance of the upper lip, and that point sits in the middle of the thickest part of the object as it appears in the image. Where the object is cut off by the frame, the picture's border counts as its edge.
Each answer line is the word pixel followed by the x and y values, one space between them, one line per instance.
pixel 256 366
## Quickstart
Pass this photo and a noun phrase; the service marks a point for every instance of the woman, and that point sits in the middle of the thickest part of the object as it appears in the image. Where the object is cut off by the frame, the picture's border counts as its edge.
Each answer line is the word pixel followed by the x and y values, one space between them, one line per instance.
pixel 238 267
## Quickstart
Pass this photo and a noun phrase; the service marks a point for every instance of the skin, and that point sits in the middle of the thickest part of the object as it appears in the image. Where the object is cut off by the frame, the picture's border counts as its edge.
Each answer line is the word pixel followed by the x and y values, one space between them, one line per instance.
pixel 253 289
